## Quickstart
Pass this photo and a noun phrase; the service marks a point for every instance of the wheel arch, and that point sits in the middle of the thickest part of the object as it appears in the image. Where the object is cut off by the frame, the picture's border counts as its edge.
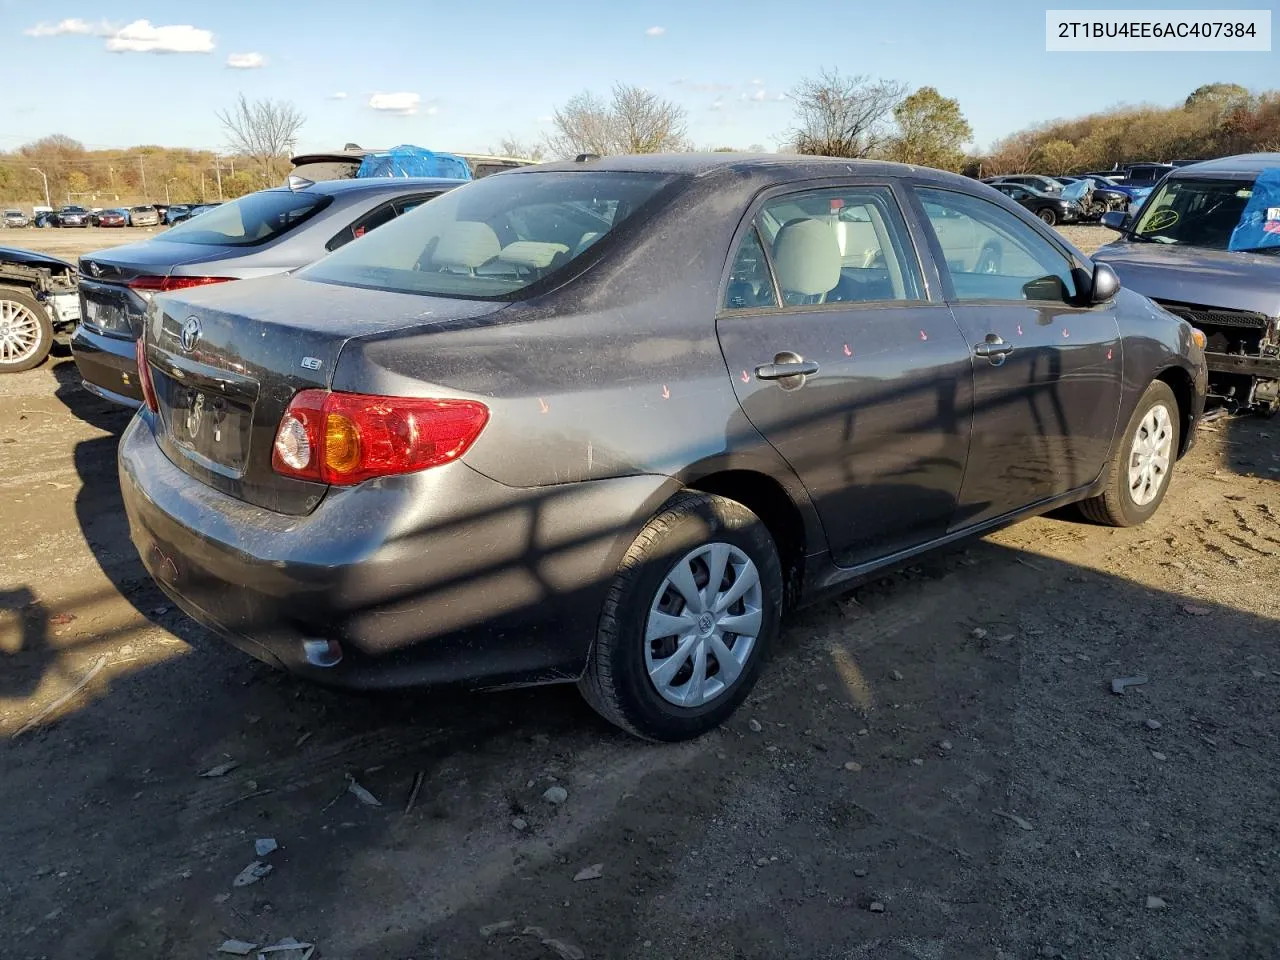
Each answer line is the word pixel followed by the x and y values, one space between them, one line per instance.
pixel 769 500
pixel 1183 386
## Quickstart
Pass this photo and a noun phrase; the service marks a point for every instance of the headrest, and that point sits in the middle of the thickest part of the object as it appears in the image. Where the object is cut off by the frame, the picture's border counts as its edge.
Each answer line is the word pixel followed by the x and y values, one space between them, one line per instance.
pixel 806 256
pixel 467 243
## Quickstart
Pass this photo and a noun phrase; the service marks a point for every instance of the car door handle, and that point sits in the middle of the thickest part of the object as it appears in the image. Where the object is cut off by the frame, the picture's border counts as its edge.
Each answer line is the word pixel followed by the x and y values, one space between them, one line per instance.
pixel 991 348
pixel 781 371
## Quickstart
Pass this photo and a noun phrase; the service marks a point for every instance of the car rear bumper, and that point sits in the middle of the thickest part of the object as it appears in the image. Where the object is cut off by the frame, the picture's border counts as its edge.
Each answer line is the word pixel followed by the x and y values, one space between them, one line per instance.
pixel 108 365
pixel 441 577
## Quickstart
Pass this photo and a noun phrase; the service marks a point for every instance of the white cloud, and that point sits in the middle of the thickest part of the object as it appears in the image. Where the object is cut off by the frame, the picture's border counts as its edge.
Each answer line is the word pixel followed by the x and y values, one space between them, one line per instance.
pixel 546 118
pixel 246 61
pixel 431 111
pixel 402 104
pixel 73 25
pixel 142 36
pixel 758 95
pixel 655 31
pixel 338 96
pixel 757 83
pixel 716 104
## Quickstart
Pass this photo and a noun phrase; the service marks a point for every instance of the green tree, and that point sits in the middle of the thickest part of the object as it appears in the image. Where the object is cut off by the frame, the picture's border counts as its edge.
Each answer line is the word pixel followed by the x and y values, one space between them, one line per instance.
pixel 1223 96
pixel 932 131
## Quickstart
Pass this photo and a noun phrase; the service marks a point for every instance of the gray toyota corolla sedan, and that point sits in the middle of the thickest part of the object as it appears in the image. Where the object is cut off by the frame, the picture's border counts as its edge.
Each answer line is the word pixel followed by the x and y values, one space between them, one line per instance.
pixel 604 422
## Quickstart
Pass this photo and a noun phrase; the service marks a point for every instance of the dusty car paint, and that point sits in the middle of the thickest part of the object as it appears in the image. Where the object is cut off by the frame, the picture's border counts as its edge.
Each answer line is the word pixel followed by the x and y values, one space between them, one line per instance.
pixel 608 394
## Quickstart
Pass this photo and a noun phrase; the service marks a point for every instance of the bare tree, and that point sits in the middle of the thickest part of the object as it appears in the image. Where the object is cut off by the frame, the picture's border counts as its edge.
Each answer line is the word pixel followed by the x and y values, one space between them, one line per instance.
pixel 265 131
pixel 633 121
pixel 511 147
pixel 645 122
pixel 840 116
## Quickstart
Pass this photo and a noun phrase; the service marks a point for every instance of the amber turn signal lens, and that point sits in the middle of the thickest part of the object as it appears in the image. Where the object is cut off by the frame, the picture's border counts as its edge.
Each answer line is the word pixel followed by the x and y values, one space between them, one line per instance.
pixel 341 444
pixel 1198 336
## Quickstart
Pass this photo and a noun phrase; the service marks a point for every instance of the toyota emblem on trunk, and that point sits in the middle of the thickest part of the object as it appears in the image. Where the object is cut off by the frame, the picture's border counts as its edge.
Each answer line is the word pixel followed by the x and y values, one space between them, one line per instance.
pixel 190 335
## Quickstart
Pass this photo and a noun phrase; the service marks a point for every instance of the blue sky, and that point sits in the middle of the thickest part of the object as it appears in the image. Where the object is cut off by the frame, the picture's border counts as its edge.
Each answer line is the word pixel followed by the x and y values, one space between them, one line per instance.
pixel 459 76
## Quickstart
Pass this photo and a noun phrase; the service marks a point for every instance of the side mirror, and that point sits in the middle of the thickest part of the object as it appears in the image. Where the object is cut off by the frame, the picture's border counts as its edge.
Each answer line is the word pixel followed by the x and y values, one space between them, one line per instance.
pixel 1115 220
pixel 1105 284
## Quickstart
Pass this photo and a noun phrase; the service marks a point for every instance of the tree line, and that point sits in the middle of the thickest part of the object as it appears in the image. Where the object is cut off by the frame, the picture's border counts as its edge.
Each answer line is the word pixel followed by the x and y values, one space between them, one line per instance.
pixel 259 138
pixel 834 115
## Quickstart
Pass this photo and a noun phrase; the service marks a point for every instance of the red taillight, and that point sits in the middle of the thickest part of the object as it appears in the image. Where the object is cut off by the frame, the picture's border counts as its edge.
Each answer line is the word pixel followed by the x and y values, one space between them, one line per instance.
pixel 165 284
pixel 347 438
pixel 144 375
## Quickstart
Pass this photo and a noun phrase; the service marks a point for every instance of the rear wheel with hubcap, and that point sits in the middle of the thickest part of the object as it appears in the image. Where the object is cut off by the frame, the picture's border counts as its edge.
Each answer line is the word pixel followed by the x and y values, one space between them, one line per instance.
pixel 1138 476
pixel 26 335
pixel 688 620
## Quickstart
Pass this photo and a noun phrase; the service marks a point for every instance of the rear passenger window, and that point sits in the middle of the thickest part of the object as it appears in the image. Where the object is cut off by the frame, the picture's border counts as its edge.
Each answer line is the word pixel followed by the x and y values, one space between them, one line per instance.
pixel 370 221
pixel 992 255
pixel 750 285
pixel 845 245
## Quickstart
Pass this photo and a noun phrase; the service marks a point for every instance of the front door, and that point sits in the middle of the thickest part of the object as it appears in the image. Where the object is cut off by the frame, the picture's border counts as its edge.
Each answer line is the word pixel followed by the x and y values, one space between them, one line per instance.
pixel 840 360
pixel 1046 370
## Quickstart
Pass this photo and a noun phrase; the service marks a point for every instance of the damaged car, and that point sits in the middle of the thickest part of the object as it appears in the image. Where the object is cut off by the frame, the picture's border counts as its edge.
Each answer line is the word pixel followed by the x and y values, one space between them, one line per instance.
pixel 39 305
pixel 1206 246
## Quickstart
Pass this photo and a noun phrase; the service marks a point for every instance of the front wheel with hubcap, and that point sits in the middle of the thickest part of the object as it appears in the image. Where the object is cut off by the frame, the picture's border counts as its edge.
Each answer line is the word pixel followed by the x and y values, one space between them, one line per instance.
pixel 688 619
pixel 1138 475
pixel 1047 215
pixel 26 335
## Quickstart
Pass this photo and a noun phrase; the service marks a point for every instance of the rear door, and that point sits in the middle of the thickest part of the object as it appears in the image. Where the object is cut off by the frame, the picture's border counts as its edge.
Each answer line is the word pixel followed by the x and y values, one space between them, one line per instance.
pixel 1046 370
pixel 843 362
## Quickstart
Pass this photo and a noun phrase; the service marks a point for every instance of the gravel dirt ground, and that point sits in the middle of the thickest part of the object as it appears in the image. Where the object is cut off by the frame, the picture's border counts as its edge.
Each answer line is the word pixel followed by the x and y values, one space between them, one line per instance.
pixel 933 767
pixel 73 242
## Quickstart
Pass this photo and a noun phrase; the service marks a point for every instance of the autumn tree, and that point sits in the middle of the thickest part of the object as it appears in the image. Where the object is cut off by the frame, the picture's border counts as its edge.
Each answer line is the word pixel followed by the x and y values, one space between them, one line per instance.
pixel 843 116
pixel 1054 156
pixel 265 131
pixel 633 120
pixel 931 131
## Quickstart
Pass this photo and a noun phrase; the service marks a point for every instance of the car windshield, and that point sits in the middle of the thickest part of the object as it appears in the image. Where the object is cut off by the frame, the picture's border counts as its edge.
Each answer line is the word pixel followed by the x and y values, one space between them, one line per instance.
pixel 251 220
pixel 493 237
pixel 1195 213
pixel 13 213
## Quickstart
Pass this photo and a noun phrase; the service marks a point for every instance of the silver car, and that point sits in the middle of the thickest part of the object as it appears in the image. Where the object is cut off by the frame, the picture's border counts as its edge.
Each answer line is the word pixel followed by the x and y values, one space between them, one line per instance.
pixel 264 233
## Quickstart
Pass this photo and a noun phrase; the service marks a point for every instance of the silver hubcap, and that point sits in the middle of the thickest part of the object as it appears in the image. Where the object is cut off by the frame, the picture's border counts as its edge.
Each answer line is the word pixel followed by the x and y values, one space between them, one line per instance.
pixel 1150 455
pixel 19 332
pixel 703 625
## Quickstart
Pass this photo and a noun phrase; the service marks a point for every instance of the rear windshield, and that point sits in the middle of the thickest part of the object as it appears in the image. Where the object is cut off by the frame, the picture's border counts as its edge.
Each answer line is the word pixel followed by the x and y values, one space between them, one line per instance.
pixel 493 237
pixel 144 209
pixel 253 219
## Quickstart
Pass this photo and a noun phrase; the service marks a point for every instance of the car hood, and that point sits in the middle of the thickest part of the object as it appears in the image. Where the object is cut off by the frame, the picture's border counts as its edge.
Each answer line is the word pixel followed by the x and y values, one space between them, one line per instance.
pixel 1216 278
pixel 30 258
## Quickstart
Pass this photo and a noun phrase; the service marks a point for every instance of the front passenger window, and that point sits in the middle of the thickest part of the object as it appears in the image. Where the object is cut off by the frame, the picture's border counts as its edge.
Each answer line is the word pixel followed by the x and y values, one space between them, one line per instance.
pixel 992 255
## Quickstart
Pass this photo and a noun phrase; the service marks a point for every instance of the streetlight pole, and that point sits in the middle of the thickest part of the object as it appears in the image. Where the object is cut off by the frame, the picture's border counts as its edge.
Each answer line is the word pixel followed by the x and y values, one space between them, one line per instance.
pixel 166 189
pixel 47 201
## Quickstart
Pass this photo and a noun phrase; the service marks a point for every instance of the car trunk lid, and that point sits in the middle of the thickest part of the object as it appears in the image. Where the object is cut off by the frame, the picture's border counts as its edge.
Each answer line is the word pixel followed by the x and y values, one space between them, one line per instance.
pixel 226 362
pixel 107 303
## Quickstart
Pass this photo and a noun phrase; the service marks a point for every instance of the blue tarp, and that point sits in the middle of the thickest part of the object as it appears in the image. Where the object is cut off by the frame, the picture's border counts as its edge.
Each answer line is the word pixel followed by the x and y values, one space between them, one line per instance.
pixel 1259 224
pixel 410 161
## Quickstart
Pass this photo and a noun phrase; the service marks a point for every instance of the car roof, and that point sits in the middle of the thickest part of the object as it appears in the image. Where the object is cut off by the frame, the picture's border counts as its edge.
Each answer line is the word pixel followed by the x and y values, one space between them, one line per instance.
pixel 1245 164
pixel 780 167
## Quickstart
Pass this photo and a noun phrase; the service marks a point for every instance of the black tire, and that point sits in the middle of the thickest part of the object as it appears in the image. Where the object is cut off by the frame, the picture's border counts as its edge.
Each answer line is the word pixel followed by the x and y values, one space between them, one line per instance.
pixel 1115 506
pixel 616 682
pixel 1048 215
pixel 44 331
